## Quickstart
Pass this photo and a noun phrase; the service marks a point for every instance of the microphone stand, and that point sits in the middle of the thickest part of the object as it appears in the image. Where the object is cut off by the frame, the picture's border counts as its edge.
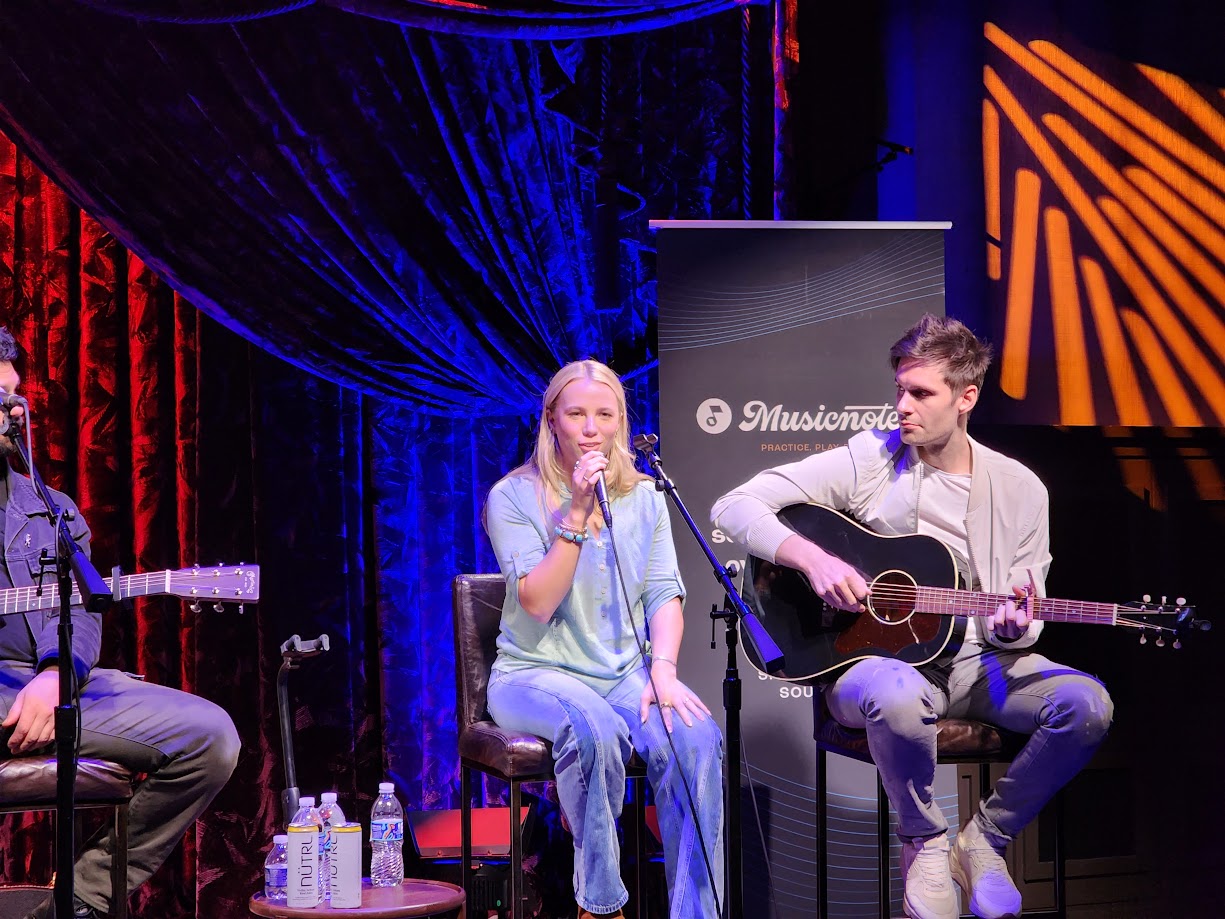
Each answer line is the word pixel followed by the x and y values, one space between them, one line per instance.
pixel 293 652
pixel 70 563
pixel 737 613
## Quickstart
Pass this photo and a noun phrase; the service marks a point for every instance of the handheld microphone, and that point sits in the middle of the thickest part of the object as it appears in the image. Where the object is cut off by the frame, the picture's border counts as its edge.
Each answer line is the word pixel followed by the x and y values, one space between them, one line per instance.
pixel 601 495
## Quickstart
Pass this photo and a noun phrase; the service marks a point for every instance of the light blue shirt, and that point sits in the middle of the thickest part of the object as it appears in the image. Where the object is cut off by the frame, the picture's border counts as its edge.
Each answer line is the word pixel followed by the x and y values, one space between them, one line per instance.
pixel 589 635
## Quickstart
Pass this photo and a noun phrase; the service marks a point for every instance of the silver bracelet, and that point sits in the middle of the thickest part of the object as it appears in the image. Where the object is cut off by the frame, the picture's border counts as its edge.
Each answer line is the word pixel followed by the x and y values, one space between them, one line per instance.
pixel 656 658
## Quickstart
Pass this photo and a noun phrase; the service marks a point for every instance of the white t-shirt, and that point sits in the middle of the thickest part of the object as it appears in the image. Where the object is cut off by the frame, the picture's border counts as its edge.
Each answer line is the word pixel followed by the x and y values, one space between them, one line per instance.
pixel 944 498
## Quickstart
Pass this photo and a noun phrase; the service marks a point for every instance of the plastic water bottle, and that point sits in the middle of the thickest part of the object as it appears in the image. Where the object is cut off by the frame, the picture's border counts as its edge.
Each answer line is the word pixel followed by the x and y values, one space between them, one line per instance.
pixel 276 870
pixel 387 839
pixel 304 884
pixel 331 815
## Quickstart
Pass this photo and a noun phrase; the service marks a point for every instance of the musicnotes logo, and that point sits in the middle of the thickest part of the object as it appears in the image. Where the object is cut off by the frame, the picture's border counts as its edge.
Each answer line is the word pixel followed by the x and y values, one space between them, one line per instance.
pixel 714 416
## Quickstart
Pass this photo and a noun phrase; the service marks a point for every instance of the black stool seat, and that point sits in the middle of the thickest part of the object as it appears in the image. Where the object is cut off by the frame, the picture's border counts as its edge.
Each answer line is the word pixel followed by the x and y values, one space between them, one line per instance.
pixel 27 783
pixel 957 740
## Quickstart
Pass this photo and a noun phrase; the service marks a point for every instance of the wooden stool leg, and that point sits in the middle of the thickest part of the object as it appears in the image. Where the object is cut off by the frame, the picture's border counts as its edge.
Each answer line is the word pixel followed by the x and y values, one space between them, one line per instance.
pixel 517 906
pixel 822 839
pixel 638 826
pixel 119 863
pixel 1059 855
pixel 882 846
pixel 465 830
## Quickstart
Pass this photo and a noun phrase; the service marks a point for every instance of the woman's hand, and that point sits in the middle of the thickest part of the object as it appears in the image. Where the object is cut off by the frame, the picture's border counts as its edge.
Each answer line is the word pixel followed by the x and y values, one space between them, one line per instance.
pixel 582 486
pixel 675 698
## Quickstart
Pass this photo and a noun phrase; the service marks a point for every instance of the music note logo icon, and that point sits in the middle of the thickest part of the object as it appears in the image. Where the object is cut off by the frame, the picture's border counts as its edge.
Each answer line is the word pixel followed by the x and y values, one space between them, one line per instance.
pixel 714 416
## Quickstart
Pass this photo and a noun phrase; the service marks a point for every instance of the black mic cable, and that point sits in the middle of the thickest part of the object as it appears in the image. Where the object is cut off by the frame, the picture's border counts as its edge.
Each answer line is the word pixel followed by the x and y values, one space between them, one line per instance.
pixel 602 495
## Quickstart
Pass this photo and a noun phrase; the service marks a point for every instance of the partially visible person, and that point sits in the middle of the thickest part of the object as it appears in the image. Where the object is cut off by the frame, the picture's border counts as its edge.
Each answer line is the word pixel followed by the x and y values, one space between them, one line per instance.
pixel 569 666
pixel 931 477
pixel 187 746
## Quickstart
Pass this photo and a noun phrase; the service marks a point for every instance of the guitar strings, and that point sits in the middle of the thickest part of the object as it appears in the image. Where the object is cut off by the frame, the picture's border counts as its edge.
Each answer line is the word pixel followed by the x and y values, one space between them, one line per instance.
pixel 949 601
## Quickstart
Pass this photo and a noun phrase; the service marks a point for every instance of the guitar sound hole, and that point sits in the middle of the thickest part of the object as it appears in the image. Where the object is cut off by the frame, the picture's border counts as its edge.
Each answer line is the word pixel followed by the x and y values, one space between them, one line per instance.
pixel 893 597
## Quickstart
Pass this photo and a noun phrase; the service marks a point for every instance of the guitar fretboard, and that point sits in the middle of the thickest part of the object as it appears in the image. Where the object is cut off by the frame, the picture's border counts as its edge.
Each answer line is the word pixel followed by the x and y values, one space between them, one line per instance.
pixel 237 584
pixel 27 599
pixel 944 601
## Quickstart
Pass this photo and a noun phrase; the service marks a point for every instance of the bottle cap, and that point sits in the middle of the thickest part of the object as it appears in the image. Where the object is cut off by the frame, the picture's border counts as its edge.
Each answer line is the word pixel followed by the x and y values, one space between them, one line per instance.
pixel 280 839
pixel 306 801
pixel 386 788
pixel 328 797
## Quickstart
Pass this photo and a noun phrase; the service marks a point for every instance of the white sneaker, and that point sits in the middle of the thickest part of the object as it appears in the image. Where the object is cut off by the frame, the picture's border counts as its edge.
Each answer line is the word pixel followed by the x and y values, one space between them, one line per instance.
pixel 979 869
pixel 930 893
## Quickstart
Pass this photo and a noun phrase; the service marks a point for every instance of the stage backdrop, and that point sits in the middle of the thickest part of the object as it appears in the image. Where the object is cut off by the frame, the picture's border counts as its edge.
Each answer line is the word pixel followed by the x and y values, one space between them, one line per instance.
pixel 774 341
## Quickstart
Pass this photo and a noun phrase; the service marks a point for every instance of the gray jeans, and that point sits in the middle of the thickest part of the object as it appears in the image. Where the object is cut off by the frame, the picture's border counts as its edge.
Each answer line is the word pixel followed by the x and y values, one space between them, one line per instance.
pixel 1066 714
pixel 187 745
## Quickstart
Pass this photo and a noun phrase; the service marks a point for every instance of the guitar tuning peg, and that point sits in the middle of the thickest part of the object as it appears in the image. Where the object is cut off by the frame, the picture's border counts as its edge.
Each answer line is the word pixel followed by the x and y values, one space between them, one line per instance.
pixel 195 606
pixel 241 608
pixel 1143 639
pixel 219 606
pixel 1147 598
pixel 1180 601
pixel 1163 599
pixel 1160 642
pixel 1177 644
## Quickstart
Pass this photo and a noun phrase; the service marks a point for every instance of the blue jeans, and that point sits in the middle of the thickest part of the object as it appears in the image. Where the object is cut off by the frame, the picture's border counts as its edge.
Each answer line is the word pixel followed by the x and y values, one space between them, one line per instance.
pixel 593 737
pixel 1066 714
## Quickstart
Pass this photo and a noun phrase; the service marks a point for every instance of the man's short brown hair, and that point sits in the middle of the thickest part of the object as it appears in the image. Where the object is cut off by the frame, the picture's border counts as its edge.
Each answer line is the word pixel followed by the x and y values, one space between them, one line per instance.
pixel 947 342
pixel 8 345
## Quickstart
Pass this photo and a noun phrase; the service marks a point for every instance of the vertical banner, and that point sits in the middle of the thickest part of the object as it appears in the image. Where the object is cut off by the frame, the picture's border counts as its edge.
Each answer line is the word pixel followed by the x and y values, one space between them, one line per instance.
pixel 774 342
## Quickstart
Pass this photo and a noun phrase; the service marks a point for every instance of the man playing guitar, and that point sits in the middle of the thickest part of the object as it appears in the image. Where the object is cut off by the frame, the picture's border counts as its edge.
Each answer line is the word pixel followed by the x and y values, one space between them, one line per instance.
pixel 930 477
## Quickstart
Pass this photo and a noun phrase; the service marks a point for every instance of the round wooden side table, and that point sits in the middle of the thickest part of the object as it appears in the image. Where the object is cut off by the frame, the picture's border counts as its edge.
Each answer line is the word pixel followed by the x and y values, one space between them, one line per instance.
pixel 412 898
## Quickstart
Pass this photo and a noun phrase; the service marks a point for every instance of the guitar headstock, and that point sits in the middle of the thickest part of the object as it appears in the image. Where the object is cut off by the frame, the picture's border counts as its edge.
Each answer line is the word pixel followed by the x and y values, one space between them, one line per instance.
pixel 1164 618
pixel 217 585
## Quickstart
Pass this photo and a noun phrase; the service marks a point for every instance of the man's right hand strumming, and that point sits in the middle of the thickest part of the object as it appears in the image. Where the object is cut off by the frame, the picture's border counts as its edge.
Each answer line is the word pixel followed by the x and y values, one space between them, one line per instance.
pixel 832 579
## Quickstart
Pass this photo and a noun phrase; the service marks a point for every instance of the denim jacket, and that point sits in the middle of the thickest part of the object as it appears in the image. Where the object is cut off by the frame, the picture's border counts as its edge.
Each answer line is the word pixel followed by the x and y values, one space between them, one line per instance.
pixel 28 531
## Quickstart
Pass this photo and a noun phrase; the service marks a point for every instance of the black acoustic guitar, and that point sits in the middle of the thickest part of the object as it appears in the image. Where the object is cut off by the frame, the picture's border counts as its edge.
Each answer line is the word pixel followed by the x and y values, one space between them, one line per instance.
pixel 916 609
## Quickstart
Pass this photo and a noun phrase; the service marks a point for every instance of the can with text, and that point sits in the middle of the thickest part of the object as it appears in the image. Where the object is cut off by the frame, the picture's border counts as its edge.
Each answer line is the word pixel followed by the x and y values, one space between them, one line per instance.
pixel 302 866
pixel 347 866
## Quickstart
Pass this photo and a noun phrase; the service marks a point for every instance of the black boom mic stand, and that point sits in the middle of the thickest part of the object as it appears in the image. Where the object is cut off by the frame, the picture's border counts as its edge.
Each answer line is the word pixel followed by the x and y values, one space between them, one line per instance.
pixel 70 564
pixel 737 612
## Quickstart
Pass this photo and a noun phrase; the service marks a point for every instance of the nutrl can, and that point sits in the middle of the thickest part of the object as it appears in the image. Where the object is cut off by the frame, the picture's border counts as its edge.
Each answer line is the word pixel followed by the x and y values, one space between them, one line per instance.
pixel 302 858
pixel 347 866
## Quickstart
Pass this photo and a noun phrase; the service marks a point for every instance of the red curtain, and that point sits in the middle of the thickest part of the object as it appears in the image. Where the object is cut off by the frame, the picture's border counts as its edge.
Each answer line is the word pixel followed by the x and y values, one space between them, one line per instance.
pixel 110 367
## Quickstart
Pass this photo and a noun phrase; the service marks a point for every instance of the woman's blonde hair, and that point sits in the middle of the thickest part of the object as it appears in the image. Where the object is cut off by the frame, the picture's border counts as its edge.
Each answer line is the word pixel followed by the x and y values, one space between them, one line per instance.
pixel 620 477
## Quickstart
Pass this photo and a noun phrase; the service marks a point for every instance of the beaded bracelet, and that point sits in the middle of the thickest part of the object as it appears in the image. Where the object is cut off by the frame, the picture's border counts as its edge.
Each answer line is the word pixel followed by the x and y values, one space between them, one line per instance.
pixel 570 536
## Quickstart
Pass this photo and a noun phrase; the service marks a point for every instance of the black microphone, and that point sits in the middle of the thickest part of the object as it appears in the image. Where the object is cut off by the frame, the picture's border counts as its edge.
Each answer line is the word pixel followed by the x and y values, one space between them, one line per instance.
pixel 601 495
pixel 10 400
